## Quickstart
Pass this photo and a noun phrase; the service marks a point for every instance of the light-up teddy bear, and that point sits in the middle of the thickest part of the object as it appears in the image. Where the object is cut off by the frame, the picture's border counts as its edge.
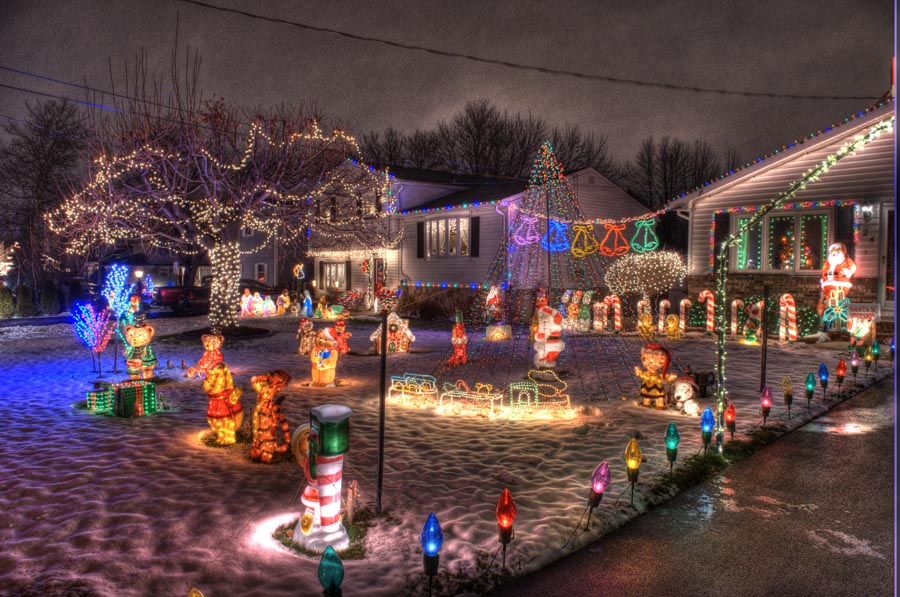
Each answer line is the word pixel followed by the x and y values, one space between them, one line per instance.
pixel 211 357
pixel 224 412
pixel 306 336
pixel 656 359
pixel 140 360
pixel 548 341
pixel 324 358
pixel 836 275
pixel 268 416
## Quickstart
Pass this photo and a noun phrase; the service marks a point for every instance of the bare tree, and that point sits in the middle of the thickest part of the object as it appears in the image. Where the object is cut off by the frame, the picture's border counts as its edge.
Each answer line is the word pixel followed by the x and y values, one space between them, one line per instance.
pixel 178 174
pixel 36 166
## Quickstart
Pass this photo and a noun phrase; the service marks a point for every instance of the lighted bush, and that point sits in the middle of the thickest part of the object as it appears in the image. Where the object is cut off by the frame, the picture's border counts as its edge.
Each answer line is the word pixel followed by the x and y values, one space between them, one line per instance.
pixel 24 301
pixel 649 274
pixel 7 307
pixel 808 321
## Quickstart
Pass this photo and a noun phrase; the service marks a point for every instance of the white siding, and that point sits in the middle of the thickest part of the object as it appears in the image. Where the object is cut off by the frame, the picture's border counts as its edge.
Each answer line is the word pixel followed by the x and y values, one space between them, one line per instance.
pixel 603 199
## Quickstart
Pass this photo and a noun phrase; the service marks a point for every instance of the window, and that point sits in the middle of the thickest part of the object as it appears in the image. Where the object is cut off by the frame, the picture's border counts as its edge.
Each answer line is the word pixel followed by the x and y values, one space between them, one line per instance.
pixel 164 271
pixel 261 269
pixel 783 242
pixel 245 232
pixel 449 237
pixel 335 275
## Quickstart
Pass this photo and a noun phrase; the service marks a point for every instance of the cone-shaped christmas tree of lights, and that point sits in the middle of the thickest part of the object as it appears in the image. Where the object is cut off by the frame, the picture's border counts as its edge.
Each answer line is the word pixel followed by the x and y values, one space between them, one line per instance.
pixel 550 243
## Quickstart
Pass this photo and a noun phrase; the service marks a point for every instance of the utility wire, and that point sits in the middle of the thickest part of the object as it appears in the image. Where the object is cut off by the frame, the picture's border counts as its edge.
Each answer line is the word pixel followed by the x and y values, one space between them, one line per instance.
pixel 527 67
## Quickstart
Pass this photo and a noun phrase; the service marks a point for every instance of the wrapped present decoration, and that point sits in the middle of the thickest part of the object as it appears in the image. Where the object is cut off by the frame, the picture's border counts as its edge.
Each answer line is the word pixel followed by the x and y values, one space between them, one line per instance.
pixel 134 398
pixel 100 399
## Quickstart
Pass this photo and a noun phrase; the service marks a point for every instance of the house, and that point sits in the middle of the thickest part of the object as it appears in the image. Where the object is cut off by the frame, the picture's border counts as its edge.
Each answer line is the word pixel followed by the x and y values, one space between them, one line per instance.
pixel 450 228
pixel 851 203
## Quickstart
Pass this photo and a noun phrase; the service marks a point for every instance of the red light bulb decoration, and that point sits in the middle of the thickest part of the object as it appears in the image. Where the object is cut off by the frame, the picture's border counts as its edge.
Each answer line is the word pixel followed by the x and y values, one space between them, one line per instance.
pixel 506 515
pixel 730 416
pixel 840 372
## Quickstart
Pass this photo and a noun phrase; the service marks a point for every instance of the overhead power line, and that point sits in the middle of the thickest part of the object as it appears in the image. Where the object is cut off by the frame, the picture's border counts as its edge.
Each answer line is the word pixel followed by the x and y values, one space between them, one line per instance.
pixel 527 67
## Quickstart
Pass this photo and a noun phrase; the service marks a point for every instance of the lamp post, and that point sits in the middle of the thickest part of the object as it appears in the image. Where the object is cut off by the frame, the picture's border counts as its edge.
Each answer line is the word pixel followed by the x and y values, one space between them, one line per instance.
pixel 331 573
pixel 788 388
pixel 841 372
pixel 730 416
pixel 765 404
pixel 823 379
pixel 599 483
pixel 672 438
pixel 854 365
pixel 633 458
pixel 810 388
pixel 707 422
pixel 506 515
pixel 432 538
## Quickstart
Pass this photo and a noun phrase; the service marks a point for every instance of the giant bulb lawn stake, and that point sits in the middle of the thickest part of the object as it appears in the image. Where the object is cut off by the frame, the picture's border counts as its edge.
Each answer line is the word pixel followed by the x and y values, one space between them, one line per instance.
pixel 672 438
pixel 876 352
pixel 765 404
pixel 633 458
pixel 707 422
pixel 432 538
pixel 506 515
pixel 841 372
pixel 869 356
pixel 331 573
pixel 599 483
pixel 823 379
pixel 730 416
pixel 810 388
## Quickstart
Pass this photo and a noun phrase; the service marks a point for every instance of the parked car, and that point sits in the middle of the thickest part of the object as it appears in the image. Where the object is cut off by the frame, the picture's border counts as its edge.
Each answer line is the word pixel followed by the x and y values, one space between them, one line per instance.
pixel 196 298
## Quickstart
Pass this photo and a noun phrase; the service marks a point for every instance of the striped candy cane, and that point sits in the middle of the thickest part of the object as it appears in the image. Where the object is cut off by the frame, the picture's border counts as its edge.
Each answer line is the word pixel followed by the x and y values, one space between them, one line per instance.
pixel 685 313
pixel 709 297
pixel 600 318
pixel 664 306
pixel 613 301
pixel 787 319
pixel 737 305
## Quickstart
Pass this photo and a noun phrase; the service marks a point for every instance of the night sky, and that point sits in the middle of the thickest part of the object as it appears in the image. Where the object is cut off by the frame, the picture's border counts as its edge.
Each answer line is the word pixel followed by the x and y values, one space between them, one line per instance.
pixel 825 48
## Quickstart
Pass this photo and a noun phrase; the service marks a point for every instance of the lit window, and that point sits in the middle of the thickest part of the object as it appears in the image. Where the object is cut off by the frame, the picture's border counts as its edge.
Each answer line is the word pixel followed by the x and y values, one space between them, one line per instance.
pixel 261 270
pixel 749 248
pixel 246 232
pixel 335 275
pixel 790 243
pixel 448 237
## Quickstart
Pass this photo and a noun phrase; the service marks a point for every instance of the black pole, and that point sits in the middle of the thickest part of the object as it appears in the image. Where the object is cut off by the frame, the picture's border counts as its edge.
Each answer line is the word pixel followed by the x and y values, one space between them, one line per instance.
pixel 549 283
pixel 765 339
pixel 382 398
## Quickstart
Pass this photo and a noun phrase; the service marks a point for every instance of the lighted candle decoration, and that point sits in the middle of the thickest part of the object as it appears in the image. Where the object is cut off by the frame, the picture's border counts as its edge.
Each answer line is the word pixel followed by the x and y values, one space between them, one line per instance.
pixel 331 573
pixel 840 372
pixel 823 379
pixel 765 404
pixel 788 388
pixel 633 458
pixel 810 388
pixel 432 539
pixel 707 423
pixel 672 438
pixel 730 416
pixel 854 365
pixel 506 515
pixel 599 482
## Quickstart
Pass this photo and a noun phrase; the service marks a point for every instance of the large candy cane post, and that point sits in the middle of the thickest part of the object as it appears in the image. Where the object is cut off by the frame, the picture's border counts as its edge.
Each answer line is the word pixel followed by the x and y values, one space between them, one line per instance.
pixel 616 304
pixel 319 447
pixel 600 317
pixel 709 297
pixel 787 319
pixel 685 308
pixel 664 306
pixel 737 305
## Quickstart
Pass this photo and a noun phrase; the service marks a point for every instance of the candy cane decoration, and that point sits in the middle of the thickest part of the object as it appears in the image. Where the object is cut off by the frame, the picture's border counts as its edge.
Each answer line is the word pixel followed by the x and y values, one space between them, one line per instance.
pixel 600 317
pixel 613 301
pixel 709 297
pixel 787 319
pixel 685 313
pixel 737 305
pixel 664 306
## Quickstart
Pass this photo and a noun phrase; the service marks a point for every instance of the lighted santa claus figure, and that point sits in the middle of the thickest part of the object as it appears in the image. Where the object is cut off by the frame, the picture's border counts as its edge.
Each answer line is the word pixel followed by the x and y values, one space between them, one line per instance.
pixel 836 276
pixel 548 334
pixel 459 340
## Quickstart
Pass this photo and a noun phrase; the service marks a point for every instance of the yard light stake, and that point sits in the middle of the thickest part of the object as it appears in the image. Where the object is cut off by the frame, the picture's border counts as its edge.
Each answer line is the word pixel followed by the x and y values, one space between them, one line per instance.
pixel 707 422
pixel 810 388
pixel 331 573
pixel 841 372
pixel 788 388
pixel 506 515
pixel 876 352
pixel 823 379
pixel 633 458
pixel 599 483
pixel 672 438
pixel 432 538
pixel 730 416
pixel 868 358
pixel 854 365
pixel 765 404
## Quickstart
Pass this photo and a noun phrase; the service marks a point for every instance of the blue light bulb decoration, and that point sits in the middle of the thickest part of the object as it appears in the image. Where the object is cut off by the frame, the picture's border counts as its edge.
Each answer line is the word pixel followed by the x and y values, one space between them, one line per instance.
pixel 823 377
pixel 556 241
pixel 432 537
pixel 331 572
pixel 707 422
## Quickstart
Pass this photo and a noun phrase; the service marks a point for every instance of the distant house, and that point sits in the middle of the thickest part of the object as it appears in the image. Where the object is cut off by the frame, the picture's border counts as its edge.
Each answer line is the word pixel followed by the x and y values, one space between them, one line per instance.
pixel 451 228
pixel 852 203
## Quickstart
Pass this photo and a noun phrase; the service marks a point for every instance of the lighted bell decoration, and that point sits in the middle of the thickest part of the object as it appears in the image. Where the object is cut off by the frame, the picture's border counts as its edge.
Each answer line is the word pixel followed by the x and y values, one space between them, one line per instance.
pixel 599 483
pixel 707 422
pixel 823 379
pixel 672 438
pixel 506 515
pixel 331 572
pixel 730 416
pixel 869 357
pixel 788 388
pixel 840 371
pixel 432 539
pixel 810 387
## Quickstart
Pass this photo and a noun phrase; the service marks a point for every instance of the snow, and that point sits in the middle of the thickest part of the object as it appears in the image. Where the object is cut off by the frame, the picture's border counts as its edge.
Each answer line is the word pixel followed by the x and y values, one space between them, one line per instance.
pixel 142 507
